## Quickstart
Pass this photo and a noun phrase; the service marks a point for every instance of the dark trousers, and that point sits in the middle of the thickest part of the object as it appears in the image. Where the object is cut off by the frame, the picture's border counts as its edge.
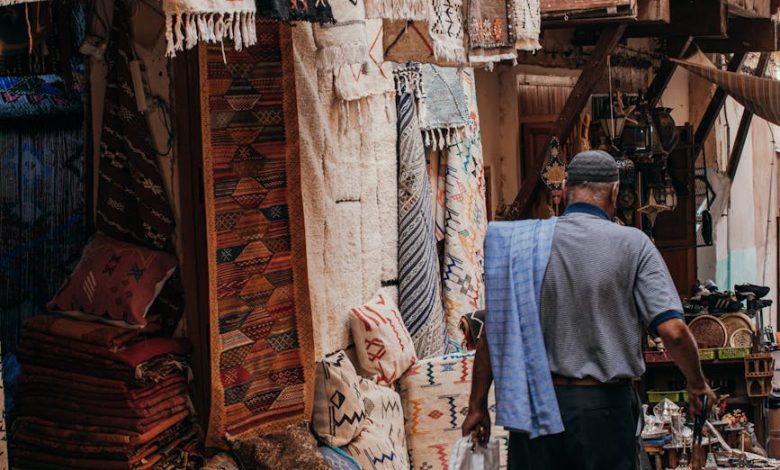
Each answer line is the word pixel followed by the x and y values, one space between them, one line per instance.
pixel 600 425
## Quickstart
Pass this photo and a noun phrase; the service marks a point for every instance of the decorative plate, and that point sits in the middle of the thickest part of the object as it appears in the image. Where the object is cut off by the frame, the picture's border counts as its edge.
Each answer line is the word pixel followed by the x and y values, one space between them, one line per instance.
pixel 709 332
pixel 554 171
pixel 741 338
pixel 735 321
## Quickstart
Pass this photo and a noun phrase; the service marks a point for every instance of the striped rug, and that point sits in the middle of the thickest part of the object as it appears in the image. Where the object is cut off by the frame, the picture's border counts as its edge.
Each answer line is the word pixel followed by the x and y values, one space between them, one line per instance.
pixel 759 95
pixel 418 267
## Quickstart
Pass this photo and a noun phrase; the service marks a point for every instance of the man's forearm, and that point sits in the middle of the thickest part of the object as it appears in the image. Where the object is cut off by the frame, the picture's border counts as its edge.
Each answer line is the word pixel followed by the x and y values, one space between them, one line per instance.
pixel 482 376
pixel 681 345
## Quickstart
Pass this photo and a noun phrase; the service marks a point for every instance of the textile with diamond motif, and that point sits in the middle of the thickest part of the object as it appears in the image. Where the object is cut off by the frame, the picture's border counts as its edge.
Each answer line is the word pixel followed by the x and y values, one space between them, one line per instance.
pixel 259 344
pixel 435 396
pixel 132 201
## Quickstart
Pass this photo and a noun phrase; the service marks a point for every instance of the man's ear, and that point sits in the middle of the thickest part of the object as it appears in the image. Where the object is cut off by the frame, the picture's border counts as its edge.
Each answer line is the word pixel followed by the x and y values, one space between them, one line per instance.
pixel 615 192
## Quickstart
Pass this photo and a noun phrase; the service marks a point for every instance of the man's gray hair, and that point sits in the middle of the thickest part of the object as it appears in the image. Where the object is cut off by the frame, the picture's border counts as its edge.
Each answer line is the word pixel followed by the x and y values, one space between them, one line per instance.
pixel 592 193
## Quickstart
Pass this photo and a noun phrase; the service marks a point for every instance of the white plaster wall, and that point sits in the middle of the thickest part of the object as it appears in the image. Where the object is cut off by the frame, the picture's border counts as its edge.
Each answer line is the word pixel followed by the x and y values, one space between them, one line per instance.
pixel 676 96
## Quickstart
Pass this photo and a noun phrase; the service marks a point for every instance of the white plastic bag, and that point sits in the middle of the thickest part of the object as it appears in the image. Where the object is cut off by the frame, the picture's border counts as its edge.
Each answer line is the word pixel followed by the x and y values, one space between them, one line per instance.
pixel 468 456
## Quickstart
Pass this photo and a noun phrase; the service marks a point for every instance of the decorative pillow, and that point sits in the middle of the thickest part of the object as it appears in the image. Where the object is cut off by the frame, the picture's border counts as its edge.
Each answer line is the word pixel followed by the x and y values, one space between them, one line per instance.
pixel 338 459
pixel 435 396
pixel 373 451
pixel 294 447
pixel 382 343
pixel 339 413
pixel 115 281
pixel 385 416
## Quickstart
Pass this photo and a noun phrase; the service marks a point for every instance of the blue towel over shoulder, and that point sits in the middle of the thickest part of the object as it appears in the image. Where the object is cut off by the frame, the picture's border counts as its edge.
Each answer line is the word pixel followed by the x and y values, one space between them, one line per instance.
pixel 516 257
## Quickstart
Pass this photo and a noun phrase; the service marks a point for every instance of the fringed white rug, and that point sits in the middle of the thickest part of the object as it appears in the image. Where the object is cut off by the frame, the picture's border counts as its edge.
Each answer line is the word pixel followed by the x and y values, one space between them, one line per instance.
pixel 349 189
pixel 210 21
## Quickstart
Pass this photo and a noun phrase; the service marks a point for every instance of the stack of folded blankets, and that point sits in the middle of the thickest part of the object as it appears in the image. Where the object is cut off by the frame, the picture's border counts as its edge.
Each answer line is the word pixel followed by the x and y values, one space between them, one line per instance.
pixel 93 396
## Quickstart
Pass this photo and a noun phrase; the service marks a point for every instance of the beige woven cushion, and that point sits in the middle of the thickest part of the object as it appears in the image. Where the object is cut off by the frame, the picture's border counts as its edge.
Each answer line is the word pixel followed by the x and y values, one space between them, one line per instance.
pixel 382 343
pixel 382 444
pixel 339 412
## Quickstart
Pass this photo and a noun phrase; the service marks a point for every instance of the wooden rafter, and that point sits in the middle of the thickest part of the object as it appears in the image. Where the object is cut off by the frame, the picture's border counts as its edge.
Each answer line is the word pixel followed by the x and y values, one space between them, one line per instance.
pixel 744 123
pixel 707 18
pixel 744 35
pixel 715 106
pixel 589 78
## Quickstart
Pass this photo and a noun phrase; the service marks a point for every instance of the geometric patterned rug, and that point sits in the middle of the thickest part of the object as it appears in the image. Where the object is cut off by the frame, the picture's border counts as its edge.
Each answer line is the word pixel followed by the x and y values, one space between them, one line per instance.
pixel 261 347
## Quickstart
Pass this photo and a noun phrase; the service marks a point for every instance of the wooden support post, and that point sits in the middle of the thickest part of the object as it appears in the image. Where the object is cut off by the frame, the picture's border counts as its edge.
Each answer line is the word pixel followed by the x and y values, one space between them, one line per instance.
pixel 677 49
pixel 591 74
pixel 715 106
pixel 744 123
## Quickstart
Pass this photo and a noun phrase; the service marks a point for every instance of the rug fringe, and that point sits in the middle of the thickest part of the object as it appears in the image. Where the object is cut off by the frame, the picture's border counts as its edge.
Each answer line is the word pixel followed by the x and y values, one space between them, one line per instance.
pixel 441 138
pixel 184 30
pixel 400 10
pixel 333 57
pixel 448 52
pixel 528 44
pixel 409 81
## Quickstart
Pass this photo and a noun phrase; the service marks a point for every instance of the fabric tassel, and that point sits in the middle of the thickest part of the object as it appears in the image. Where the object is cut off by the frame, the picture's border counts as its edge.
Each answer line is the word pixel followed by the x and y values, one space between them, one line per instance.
pixel 228 29
pixel 179 34
pixel 170 50
pixel 191 27
pixel 237 37
pixel 344 117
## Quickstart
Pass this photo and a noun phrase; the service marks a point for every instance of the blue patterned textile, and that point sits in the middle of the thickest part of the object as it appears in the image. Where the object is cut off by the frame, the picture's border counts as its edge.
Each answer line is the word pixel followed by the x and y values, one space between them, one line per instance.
pixel 338 459
pixel 516 256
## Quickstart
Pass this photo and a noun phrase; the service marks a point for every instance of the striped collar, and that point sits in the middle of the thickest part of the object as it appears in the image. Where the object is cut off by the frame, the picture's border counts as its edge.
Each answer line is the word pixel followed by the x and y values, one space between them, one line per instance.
pixel 585 208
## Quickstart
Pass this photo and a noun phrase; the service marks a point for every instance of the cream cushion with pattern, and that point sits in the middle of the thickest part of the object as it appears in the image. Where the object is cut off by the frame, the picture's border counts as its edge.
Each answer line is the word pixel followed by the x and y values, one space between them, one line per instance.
pixel 339 412
pixel 382 343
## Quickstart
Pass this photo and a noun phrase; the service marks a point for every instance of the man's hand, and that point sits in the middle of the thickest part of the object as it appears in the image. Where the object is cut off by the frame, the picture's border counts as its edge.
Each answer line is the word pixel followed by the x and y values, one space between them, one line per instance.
pixel 477 424
pixel 695 393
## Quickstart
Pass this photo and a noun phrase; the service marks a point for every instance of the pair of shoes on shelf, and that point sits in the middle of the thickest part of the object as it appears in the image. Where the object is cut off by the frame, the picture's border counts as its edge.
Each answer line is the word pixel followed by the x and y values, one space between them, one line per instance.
pixel 722 302
pixel 745 289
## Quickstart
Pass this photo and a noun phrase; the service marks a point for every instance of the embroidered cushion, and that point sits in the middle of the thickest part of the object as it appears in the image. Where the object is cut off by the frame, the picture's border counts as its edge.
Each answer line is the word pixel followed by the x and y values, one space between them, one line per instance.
pixel 372 450
pixel 435 396
pixel 382 343
pixel 115 281
pixel 339 413
pixel 386 420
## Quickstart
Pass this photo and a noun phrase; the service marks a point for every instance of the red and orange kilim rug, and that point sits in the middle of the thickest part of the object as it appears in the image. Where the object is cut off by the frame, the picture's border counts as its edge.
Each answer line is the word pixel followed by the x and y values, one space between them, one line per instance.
pixel 261 343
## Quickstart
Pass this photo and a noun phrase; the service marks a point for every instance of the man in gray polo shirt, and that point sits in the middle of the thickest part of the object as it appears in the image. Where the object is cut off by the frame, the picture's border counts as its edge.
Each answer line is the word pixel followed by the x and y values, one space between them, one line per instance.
pixel 602 281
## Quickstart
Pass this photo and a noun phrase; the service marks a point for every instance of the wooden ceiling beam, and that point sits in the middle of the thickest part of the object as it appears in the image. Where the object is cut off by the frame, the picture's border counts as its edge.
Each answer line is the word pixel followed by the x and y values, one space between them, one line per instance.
pixel 715 106
pixel 647 12
pixel 707 18
pixel 750 8
pixel 744 35
pixel 591 74
pixel 744 123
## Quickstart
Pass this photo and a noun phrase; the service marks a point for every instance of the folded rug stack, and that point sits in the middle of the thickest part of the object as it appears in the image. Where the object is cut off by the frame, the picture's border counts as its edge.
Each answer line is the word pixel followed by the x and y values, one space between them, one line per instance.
pixel 93 396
